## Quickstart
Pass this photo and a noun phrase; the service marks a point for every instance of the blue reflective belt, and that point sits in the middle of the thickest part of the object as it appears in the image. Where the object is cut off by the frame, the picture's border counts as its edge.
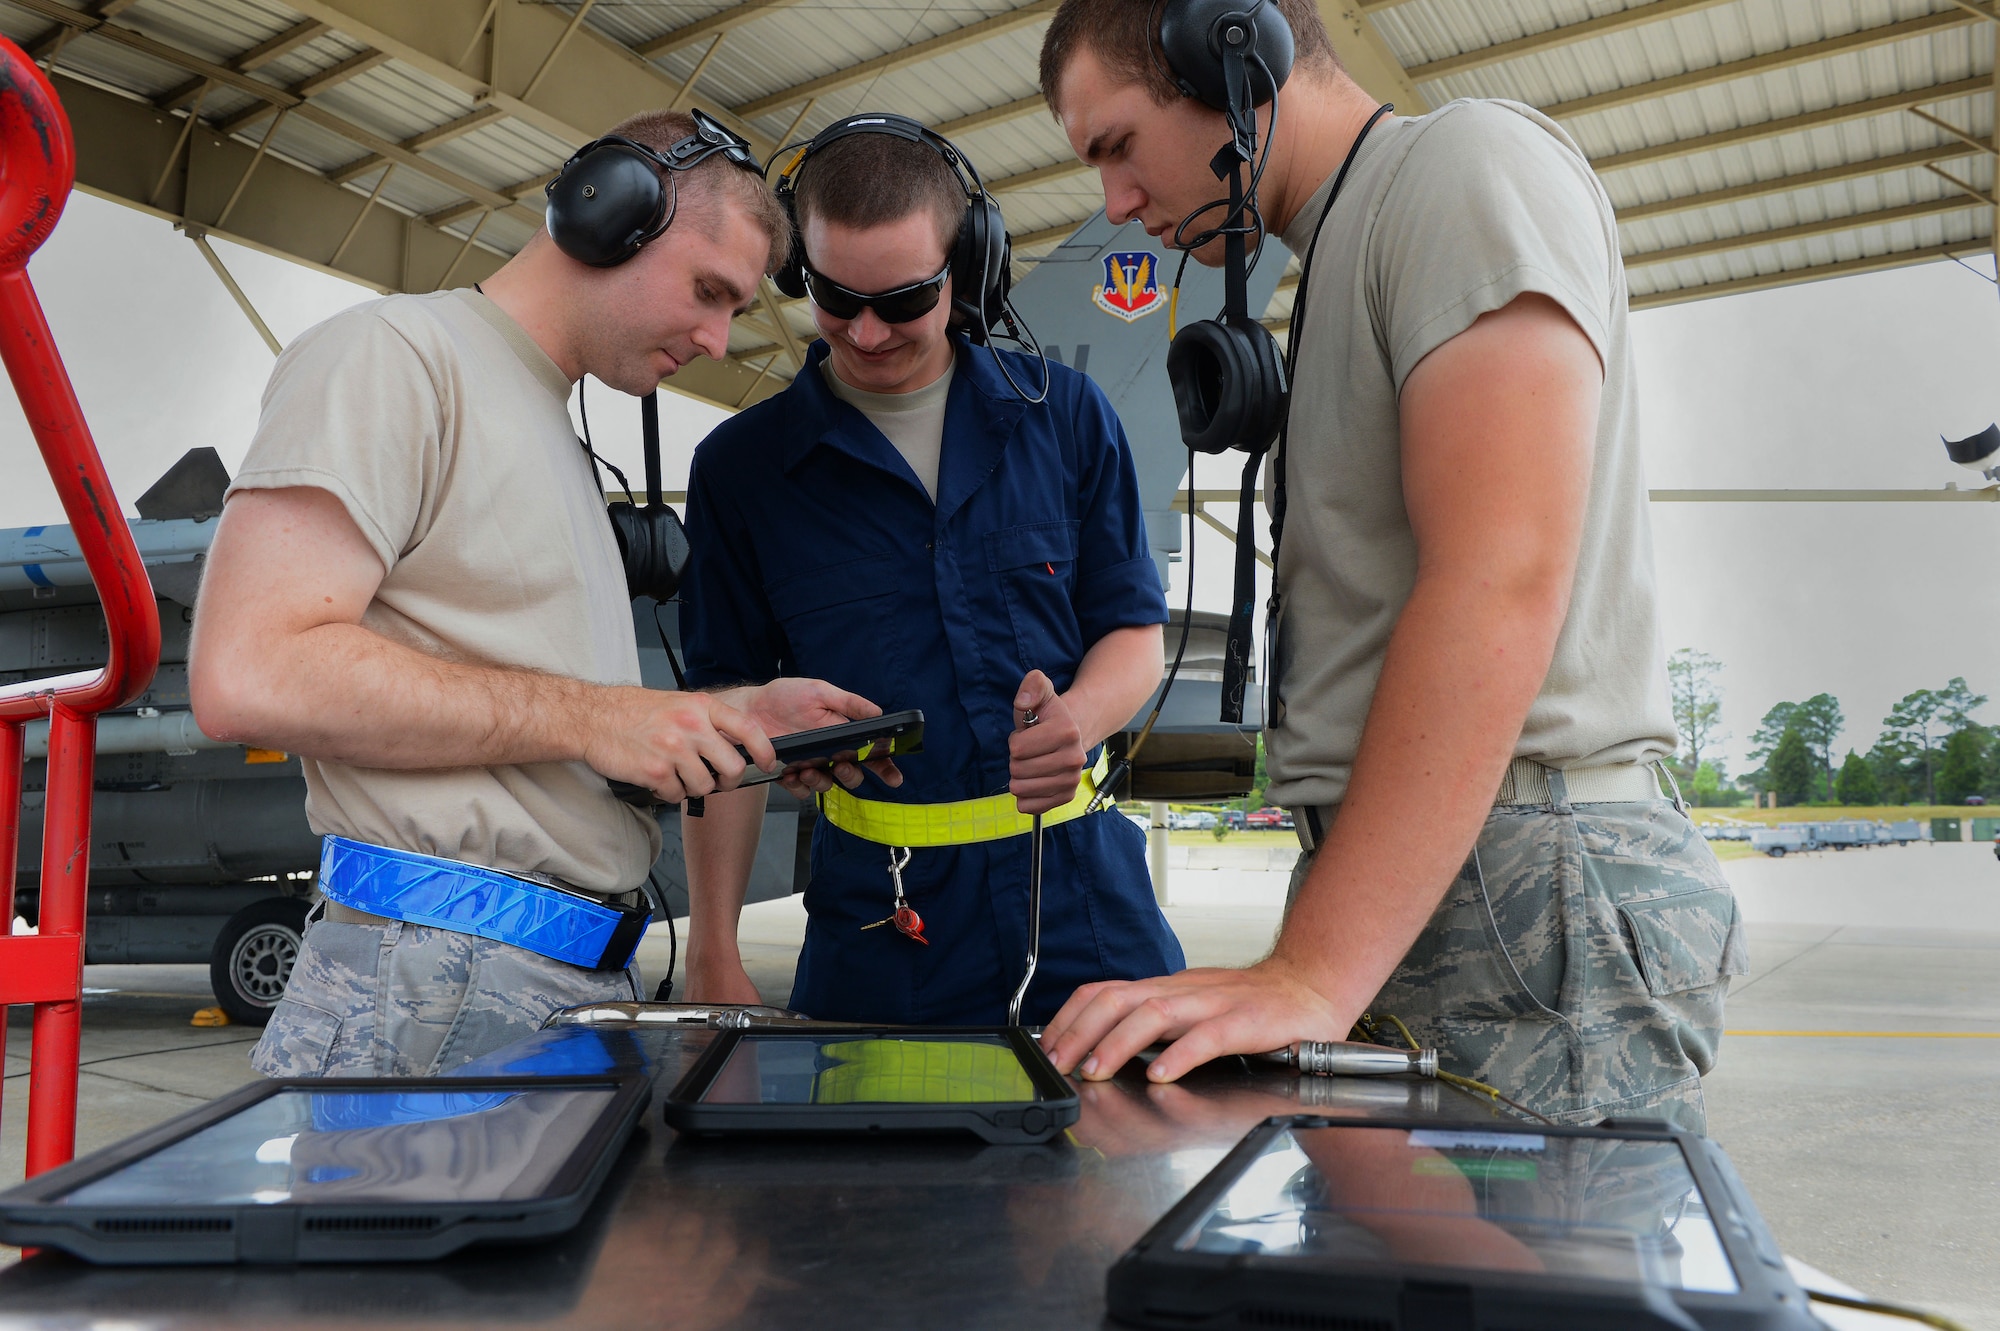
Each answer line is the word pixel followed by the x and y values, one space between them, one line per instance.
pixel 469 899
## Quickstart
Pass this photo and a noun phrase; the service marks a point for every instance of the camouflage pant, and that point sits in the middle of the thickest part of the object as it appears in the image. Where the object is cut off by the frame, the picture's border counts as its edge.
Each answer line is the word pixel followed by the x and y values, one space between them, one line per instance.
pixel 1578 962
pixel 409 1000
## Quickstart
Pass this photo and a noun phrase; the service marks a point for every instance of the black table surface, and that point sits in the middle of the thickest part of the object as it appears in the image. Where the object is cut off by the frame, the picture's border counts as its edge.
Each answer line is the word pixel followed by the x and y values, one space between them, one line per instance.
pixel 828 1233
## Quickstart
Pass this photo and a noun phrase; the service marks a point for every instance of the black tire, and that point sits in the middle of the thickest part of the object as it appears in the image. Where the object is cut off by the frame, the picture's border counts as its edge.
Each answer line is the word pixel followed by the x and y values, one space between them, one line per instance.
pixel 1776 852
pixel 252 958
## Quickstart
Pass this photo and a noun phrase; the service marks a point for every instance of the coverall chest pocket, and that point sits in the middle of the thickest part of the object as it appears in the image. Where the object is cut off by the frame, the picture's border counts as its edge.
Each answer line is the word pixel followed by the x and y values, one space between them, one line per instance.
pixel 840 624
pixel 1035 566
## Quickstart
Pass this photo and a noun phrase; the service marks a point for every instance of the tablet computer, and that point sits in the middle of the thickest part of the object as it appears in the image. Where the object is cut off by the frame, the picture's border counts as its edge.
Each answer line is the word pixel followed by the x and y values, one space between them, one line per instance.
pixel 338 1170
pixel 1355 1222
pixel 890 735
pixel 993 1082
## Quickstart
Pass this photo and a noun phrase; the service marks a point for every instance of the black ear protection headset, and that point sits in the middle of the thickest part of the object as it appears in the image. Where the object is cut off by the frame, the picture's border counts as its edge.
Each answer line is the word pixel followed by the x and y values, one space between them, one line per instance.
pixel 1231 383
pixel 982 267
pixel 611 198
pixel 1227 373
pixel 615 194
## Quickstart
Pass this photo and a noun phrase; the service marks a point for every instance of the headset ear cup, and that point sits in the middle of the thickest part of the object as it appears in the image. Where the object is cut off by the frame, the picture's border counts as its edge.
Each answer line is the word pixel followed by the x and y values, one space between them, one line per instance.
pixel 1228 382
pixel 980 274
pixel 1190 42
pixel 606 203
pixel 653 545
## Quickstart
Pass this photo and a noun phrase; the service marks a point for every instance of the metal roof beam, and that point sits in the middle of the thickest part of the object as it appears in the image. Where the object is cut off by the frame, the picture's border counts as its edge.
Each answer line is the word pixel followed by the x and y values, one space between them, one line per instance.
pixel 312 85
pixel 1805 120
pixel 1367 58
pixel 124 147
pixel 1017 109
pixel 280 46
pixel 1873 263
pixel 1782 58
pixel 590 85
pixel 1555 38
pixel 1824 226
pixel 1872 166
pixel 702 29
pixel 1040 175
pixel 903 57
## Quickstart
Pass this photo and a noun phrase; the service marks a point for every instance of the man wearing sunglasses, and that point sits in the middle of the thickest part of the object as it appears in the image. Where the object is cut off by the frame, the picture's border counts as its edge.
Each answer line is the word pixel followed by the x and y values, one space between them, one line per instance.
pixel 415 587
pixel 903 522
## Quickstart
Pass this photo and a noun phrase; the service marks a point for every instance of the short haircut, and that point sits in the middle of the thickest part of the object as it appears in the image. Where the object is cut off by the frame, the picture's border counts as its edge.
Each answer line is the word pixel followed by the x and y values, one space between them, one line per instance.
pixel 713 180
pixel 868 179
pixel 1125 36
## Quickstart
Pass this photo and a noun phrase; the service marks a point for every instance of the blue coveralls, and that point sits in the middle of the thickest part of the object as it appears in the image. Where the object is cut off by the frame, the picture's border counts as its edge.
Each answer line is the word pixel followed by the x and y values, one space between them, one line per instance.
pixel 816 552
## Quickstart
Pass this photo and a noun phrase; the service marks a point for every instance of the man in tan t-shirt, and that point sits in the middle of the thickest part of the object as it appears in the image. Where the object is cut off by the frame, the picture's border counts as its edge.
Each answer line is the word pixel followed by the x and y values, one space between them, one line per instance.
pixel 415 587
pixel 1467 697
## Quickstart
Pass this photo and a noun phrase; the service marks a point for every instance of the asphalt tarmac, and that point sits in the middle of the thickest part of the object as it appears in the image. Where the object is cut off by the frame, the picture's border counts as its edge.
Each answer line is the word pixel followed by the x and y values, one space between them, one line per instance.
pixel 1858 1093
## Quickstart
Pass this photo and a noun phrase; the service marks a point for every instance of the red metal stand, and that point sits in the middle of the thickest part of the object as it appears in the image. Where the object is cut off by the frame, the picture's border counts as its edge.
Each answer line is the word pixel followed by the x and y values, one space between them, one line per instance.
pixel 37 168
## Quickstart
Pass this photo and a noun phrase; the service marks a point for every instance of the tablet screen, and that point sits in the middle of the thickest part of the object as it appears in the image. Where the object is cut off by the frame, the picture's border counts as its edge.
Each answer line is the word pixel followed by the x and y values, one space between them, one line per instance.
pixel 782 1069
pixel 367 1146
pixel 1572 1206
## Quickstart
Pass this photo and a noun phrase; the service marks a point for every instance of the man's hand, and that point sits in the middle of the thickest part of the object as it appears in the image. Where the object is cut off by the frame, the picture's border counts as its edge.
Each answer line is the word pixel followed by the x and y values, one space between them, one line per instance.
pixel 1207 1013
pixel 1047 758
pixel 787 706
pixel 677 745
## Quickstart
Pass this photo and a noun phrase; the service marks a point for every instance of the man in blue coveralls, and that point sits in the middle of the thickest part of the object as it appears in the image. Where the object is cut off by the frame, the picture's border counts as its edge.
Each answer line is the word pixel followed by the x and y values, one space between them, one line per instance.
pixel 902 522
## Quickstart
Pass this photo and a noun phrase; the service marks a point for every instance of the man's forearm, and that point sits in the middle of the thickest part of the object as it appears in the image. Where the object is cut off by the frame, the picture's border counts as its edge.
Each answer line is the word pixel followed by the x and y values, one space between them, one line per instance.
pixel 1462 668
pixel 1116 676
pixel 347 694
pixel 721 849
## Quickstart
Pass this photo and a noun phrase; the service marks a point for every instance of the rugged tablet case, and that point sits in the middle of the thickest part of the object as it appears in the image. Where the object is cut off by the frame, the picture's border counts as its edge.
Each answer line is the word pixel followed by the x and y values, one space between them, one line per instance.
pixel 1003 1123
pixel 1155 1285
pixel 285 1233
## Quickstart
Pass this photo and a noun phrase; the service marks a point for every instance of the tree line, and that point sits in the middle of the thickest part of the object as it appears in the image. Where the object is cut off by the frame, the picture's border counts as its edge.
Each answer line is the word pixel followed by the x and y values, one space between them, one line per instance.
pixel 1930 749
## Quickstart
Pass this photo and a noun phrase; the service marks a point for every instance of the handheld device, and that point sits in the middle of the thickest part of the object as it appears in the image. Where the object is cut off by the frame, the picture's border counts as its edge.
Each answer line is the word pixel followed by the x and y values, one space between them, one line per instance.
pixel 338 1170
pixel 893 734
pixel 993 1082
pixel 1314 1221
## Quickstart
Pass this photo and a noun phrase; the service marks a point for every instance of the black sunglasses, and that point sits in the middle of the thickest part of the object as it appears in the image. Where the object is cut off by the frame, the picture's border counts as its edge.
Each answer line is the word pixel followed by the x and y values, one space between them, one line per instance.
pixel 892 307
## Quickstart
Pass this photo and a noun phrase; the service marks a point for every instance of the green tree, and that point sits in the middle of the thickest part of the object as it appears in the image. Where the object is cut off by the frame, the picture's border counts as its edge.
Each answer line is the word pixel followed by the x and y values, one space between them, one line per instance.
pixel 1764 740
pixel 1919 723
pixel 1791 769
pixel 1819 721
pixel 1898 774
pixel 1856 784
pixel 1697 700
pixel 1962 770
pixel 1710 788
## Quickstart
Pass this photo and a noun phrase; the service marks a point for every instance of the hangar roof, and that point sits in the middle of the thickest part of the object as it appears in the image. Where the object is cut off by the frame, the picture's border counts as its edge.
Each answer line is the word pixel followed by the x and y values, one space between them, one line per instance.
pixel 1745 143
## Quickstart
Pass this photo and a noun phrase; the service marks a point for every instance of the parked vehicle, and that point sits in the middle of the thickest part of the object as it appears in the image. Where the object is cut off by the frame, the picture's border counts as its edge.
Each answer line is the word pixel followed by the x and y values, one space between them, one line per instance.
pixel 1190 820
pixel 1269 818
pixel 1234 819
pixel 1777 842
pixel 1903 833
pixel 1841 835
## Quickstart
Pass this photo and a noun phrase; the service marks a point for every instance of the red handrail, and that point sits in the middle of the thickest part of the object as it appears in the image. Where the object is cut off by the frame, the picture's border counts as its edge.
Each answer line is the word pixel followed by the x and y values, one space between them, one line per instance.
pixel 37 168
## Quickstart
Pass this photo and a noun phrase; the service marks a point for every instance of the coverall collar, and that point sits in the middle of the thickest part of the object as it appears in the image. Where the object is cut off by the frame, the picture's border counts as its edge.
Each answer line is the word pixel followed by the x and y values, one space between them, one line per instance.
pixel 980 415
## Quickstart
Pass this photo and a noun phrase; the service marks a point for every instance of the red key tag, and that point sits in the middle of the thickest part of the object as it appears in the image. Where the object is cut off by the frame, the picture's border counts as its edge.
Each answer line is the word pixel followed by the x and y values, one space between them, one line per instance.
pixel 911 925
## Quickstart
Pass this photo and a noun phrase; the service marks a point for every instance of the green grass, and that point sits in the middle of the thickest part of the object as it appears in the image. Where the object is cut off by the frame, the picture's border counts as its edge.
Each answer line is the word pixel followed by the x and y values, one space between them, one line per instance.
pixel 1821 813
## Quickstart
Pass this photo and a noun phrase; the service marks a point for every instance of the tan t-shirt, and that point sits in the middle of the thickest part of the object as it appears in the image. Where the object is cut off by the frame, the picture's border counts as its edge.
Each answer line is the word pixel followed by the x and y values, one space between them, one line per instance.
pixel 445 432
pixel 1443 218
pixel 913 422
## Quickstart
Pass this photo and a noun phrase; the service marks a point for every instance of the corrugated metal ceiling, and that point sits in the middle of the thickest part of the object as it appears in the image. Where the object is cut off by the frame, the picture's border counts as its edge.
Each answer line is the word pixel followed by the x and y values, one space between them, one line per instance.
pixel 1744 142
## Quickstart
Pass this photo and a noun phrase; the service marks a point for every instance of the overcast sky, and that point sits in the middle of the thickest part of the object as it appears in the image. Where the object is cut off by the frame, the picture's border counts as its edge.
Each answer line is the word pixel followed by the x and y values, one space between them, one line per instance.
pixel 1835 384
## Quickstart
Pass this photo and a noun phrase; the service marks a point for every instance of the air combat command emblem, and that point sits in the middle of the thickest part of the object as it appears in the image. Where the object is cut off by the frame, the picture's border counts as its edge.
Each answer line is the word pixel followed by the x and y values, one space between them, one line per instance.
pixel 1131 285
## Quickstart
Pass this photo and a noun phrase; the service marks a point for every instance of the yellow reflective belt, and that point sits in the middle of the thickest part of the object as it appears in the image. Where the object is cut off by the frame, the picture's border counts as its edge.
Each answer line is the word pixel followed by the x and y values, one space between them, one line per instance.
pixel 959 823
